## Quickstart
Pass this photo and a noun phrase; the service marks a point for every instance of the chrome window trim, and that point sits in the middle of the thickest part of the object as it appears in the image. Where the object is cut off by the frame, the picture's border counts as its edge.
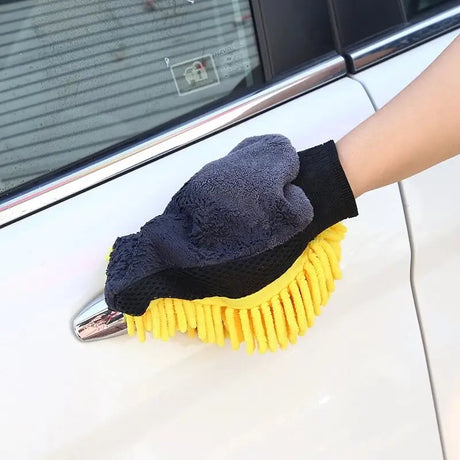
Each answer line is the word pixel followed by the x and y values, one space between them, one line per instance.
pixel 395 43
pixel 85 178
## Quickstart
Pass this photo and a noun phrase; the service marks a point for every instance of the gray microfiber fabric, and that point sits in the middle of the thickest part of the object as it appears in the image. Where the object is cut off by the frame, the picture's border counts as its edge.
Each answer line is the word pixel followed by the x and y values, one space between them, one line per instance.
pixel 237 206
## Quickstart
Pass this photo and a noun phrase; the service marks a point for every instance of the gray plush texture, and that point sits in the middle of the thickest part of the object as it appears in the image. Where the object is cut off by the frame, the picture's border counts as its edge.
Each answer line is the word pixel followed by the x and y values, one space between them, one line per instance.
pixel 237 206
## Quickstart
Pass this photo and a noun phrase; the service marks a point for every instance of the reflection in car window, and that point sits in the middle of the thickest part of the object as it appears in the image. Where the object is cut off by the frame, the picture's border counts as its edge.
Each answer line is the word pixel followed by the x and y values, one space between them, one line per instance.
pixel 80 75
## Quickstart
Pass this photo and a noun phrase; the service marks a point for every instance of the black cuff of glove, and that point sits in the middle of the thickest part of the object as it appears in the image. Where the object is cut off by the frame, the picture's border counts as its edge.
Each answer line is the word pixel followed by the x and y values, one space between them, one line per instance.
pixel 324 182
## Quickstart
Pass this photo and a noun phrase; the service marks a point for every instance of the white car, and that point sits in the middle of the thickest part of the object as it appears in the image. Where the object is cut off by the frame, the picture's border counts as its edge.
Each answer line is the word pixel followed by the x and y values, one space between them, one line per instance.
pixel 106 109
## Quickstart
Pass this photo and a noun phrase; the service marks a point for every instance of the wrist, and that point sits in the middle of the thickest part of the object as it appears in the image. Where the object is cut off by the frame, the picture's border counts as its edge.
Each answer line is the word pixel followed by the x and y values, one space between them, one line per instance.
pixel 323 180
pixel 350 167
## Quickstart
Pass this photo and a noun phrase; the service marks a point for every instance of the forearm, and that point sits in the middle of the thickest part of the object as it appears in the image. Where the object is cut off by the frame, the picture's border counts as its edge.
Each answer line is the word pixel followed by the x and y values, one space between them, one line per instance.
pixel 417 129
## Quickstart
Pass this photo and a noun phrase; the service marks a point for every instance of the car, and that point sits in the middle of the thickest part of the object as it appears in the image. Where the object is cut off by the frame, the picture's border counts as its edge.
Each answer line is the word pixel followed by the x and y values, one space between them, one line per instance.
pixel 106 109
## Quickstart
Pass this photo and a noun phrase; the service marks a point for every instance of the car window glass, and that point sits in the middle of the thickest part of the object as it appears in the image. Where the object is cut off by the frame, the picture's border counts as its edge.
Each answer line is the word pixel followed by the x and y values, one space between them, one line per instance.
pixel 77 76
pixel 357 20
pixel 414 7
pixel 295 33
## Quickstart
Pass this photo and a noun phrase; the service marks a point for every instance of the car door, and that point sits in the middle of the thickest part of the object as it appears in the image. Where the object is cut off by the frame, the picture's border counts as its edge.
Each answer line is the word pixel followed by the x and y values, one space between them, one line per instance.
pixel 356 386
pixel 433 216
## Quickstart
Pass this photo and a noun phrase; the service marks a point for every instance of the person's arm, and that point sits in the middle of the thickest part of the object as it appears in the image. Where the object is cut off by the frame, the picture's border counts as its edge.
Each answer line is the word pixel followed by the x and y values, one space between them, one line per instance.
pixel 417 129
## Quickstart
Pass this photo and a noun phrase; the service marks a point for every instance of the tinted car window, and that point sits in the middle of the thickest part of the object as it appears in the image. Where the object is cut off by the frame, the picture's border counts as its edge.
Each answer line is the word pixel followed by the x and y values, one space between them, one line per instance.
pixel 294 33
pixel 414 7
pixel 78 76
pixel 360 19
pixel 356 22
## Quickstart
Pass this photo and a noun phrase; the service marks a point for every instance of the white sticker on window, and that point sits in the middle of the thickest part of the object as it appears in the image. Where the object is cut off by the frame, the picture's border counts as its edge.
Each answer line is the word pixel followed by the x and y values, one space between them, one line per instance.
pixel 195 74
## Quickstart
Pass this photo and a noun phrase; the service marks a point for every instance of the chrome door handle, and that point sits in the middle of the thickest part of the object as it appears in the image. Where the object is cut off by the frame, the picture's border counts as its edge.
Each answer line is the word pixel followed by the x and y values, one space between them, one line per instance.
pixel 97 322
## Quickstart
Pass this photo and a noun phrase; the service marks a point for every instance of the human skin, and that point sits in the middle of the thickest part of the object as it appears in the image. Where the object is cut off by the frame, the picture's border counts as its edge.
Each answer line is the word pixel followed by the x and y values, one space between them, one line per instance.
pixel 417 129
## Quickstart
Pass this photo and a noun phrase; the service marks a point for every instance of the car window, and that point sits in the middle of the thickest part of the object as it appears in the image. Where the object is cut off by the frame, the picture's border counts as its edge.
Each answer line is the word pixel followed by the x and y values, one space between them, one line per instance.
pixel 359 22
pixel 360 19
pixel 83 80
pixel 295 32
pixel 79 76
pixel 414 7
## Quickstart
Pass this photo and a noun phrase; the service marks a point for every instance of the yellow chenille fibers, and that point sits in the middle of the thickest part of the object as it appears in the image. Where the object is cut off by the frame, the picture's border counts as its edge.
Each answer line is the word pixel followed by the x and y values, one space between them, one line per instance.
pixel 269 319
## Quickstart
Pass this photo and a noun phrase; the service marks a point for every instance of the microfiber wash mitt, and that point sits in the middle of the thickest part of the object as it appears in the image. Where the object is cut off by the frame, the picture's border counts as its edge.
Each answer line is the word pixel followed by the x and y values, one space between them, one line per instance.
pixel 246 249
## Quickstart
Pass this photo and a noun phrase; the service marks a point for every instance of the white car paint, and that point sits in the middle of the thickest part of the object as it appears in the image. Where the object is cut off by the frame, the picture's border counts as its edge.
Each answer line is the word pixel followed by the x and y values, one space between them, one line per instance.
pixel 434 213
pixel 355 387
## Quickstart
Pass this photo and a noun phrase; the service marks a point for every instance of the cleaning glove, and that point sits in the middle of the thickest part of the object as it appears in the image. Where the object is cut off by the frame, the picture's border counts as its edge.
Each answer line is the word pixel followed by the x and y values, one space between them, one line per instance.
pixel 246 249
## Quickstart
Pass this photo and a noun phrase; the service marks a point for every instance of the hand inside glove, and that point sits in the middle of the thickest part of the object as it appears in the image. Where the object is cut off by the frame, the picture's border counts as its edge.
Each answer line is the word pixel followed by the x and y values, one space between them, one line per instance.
pixel 235 227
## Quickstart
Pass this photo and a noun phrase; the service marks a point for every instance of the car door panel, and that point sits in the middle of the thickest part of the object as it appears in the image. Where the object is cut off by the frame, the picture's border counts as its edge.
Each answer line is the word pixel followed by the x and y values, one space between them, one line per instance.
pixel 356 386
pixel 433 214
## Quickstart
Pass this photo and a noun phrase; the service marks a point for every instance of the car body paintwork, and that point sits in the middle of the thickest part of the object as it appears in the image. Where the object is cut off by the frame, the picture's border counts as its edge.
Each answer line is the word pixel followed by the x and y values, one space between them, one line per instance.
pixel 356 386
